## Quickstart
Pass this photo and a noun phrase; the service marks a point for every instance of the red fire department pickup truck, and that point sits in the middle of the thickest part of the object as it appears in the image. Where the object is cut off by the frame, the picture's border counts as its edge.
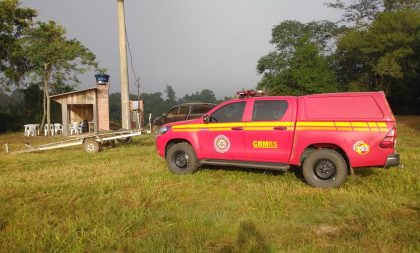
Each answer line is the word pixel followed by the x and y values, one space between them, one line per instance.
pixel 325 134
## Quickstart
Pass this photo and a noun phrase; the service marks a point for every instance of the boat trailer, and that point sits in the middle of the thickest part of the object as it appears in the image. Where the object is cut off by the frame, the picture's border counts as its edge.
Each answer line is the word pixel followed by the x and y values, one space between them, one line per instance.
pixel 91 143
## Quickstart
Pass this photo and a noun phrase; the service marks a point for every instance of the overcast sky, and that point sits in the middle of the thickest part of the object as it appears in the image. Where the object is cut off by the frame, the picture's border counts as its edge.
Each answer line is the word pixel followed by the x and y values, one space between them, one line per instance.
pixel 188 44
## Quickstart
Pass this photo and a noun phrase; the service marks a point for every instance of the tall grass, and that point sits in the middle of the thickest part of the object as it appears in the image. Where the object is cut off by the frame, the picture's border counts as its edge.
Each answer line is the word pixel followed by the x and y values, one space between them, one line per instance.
pixel 124 199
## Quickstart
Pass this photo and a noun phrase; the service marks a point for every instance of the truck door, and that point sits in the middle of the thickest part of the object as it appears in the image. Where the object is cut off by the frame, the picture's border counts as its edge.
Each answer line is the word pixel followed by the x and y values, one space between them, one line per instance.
pixel 269 130
pixel 223 136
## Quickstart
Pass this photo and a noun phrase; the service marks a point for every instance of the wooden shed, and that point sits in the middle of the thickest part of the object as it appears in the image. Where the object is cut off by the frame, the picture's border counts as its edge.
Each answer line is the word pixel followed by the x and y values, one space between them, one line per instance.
pixel 89 105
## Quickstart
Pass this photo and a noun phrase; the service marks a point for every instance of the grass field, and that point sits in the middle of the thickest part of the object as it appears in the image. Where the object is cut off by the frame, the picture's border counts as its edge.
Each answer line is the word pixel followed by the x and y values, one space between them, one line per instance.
pixel 124 200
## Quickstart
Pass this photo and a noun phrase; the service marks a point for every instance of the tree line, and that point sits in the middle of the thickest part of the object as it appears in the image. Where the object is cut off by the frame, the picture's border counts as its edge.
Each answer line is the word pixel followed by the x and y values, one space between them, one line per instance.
pixel 375 46
pixel 157 103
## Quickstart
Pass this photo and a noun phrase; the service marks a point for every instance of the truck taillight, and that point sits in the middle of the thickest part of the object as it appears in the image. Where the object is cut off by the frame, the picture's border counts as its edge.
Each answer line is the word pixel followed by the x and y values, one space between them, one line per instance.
pixel 390 139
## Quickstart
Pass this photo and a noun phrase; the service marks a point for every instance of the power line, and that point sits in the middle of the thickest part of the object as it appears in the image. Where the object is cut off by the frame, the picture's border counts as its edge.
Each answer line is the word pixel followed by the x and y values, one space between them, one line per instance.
pixel 129 52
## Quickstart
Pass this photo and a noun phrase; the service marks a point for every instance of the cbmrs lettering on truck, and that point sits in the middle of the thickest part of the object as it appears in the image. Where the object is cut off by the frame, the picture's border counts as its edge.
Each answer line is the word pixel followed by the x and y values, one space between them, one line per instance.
pixel 326 135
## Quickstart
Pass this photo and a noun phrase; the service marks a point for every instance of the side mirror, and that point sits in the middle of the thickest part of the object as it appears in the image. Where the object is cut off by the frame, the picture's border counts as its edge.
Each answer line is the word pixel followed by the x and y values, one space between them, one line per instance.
pixel 206 118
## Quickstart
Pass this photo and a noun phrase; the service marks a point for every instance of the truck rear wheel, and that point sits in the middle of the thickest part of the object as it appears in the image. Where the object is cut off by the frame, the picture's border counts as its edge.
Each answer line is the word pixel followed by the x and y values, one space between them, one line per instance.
pixel 181 159
pixel 325 168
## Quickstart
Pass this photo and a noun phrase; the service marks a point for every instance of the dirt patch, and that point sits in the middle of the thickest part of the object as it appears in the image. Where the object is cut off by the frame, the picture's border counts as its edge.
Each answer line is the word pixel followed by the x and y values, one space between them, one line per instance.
pixel 326 230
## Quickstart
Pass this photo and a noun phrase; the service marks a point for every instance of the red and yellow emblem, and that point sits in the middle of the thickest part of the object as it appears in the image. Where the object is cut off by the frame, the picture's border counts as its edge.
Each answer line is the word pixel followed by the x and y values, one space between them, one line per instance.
pixel 221 143
pixel 361 148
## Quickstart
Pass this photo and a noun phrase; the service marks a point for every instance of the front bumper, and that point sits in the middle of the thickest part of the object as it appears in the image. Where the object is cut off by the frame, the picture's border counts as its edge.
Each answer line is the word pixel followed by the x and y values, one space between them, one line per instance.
pixel 160 145
pixel 392 160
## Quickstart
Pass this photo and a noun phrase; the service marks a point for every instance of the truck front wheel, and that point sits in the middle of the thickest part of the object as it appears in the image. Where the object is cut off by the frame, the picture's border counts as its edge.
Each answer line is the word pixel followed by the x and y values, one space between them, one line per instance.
pixel 325 168
pixel 181 159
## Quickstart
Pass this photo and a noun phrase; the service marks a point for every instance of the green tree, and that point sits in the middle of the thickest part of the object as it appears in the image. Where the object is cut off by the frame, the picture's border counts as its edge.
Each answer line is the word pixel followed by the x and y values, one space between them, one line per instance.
pixel 55 60
pixel 170 93
pixel 360 13
pixel 381 52
pixel 384 54
pixel 154 104
pixel 204 96
pixel 13 21
pixel 300 64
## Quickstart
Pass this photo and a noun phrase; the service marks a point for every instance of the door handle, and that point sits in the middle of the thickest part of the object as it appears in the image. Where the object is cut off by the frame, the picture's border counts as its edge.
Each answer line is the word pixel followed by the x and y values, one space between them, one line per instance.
pixel 237 128
pixel 280 128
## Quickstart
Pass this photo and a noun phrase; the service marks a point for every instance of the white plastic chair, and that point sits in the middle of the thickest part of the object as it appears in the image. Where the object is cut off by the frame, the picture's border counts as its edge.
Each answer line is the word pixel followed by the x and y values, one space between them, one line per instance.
pixel 50 127
pixel 58 128
pixel 75 128
pixel 79 128
pixel 29 130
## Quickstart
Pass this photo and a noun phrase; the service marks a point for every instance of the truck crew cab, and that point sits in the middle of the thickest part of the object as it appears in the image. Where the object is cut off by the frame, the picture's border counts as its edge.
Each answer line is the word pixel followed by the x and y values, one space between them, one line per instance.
pixel 324 134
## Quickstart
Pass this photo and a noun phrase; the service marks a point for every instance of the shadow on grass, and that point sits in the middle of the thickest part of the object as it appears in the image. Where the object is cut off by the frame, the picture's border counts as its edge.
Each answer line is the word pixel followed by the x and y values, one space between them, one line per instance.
pixel 297 171
pixel 257 171
pixel 249 239
pixel 364 172
pixel 143 141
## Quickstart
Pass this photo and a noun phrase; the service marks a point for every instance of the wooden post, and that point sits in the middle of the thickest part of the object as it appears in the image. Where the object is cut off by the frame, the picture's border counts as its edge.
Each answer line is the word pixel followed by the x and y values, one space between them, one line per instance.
pixel 95 116
pixel 125 107
pixel 65 118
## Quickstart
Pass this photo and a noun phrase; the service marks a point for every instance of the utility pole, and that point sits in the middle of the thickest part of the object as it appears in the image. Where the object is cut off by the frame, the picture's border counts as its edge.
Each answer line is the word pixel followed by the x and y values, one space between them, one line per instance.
pixel 139 109
pixel 125 100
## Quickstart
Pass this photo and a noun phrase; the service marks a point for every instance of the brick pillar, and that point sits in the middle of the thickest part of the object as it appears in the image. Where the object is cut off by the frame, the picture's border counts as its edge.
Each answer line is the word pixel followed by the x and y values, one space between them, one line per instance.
pixel 103 106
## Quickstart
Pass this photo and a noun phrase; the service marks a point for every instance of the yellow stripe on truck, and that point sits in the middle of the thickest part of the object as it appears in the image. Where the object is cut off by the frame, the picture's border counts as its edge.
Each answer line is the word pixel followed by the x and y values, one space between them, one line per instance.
pixel 342 124
pixel 315 124
pixel 300 126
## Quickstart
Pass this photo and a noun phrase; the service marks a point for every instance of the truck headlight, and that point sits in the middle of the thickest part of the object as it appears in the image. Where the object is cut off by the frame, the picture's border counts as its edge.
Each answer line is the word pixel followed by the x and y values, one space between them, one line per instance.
pixel 163 130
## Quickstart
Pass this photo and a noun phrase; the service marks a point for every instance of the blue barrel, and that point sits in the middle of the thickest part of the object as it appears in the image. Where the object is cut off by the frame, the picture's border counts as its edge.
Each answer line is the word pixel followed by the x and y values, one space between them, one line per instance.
pixel 102 78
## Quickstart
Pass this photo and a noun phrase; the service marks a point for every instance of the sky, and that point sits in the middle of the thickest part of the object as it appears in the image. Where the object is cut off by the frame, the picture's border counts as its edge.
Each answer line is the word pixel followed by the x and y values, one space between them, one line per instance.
pixel 189 44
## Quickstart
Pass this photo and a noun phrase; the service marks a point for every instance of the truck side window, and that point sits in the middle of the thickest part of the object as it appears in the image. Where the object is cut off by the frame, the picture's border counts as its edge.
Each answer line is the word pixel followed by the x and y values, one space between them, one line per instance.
pixel 172 113
pixel 183 111
pixel 229 113
pixel 269 110
pixel 201 109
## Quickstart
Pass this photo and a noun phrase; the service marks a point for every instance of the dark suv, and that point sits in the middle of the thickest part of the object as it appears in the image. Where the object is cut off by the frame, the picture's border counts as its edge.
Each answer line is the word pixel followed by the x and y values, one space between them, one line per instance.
pixel 182 112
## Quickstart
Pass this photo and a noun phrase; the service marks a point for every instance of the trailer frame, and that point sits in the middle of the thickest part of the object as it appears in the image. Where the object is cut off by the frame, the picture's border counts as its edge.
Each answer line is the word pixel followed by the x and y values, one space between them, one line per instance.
pixel 91 143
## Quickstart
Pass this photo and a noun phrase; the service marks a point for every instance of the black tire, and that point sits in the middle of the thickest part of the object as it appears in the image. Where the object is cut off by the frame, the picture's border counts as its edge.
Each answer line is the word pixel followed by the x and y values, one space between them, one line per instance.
pixel 181 159
pixel 91 146
pixel 325 168
pixel 108 144
pixel 124 140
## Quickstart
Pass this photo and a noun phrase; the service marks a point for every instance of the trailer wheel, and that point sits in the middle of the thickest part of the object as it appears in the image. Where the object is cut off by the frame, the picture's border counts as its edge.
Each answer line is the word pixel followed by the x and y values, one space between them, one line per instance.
pixel 124 140
pixel 108 144
pixel 181 159
pixel 91 146
pixel 325 168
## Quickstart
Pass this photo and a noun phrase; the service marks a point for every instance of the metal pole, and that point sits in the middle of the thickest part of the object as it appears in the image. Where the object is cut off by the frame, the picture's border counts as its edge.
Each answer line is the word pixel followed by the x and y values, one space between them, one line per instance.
pixel 139 112
pixel 125 100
